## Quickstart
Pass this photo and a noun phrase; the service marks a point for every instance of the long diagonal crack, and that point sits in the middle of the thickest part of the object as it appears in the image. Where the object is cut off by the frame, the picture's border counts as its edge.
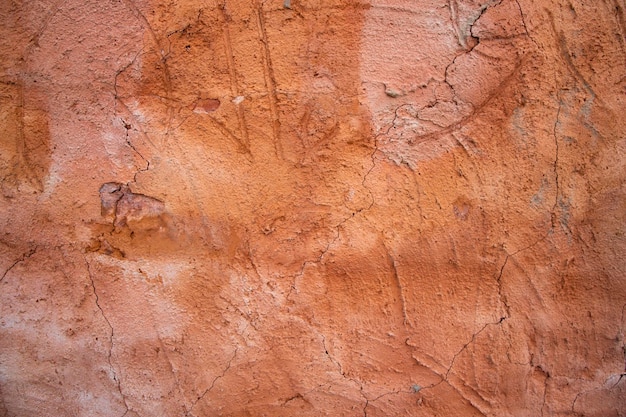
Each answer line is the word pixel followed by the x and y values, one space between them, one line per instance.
pixel 465 346
pixel 444 377
pixel 210 388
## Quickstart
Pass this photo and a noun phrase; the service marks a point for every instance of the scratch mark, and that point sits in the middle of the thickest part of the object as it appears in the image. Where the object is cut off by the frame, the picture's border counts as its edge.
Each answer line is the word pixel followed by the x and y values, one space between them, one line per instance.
pixel 270 82
pixel 567 58
pixel 421 362
pixel 234 85
pixel 399 285
pixel 229 134
pixel 545 392
pixel 20 144
pixel 570 64
pixel 475 109
pixel 454 18
pixel 21 139
pixel 171 365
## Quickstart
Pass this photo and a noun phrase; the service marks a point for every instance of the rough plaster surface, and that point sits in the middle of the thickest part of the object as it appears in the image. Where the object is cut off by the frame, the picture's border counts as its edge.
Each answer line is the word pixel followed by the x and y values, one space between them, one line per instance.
pixel 346 208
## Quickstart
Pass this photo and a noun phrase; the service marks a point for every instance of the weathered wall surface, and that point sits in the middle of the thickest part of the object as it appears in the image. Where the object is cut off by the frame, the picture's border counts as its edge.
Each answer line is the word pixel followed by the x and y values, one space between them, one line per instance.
pixel 347 208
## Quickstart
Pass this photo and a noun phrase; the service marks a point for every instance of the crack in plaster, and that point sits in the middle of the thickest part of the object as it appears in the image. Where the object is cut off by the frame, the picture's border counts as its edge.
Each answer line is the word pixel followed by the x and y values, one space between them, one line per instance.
pixel 622 336
pixel 346 219
pixel 353 214
pixel 111 337
pixel 247 316
pixel 521 12
pixel 468 28
pixel 483 9
pixel 587 391
pixel 162 58
pixel 501 294
pixel 556 162
pixel 358 383
pixel 201 397
pixel 467 344
pixel 461 29
pixel 127 127
pixel 342 373
pixel 473 108
pixel 116 95
pixel 502 297
pixel 369 401
pixel 21 259
pixel 328 247
pixel 445 377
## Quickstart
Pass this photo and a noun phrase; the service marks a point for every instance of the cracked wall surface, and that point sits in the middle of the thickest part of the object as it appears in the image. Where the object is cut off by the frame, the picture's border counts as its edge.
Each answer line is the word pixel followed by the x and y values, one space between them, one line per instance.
pixel 332 207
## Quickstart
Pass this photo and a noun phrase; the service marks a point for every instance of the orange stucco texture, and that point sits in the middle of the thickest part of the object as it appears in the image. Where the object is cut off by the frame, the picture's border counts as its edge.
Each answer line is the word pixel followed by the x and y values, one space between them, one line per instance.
pixel 312 208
